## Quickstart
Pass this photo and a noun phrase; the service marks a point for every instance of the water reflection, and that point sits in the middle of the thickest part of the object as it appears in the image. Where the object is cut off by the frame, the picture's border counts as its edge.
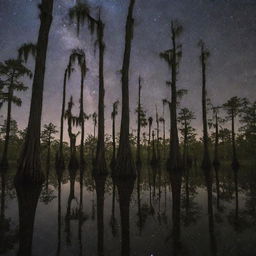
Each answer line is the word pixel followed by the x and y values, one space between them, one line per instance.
pixel 125 189
pixel 100 181
pixel 188 213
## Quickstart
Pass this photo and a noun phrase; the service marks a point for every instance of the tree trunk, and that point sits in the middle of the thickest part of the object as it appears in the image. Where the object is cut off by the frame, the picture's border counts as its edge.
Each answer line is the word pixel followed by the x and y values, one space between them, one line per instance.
pixel 185 150
pixel 174 152
pixel 4 162
pixel 149 140
pixel 216 161
pixel 125 188
pixel 164 138
pixel 125 166
pixel 113 160
pixel 29 165
pixel 235 163
pixel 82 122
pixel 138 158
pixel 60 163
pixel 100 163
pixel 206 163
pixel 157 139
pixel 27 199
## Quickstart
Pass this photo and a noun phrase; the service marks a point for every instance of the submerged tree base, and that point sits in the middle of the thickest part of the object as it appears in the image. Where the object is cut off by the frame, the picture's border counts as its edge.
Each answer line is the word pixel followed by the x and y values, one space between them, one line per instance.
pixel 28 194
pixel 99 168
pixel 125 167
pixel 125 189
pixel 29 177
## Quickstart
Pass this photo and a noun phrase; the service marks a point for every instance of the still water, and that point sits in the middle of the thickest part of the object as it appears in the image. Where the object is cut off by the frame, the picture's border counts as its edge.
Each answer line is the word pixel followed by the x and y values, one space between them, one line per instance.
pixel 80 217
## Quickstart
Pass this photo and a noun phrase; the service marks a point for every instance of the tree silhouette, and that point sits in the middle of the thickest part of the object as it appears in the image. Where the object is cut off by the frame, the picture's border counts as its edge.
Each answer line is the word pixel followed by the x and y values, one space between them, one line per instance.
pixel 47 136
pixel 233 107
pixel 113 117
pixel 94 118
pixel 206 163
pixel 81 13
pixel 172 57
pixel 60 163
pixel 29 165
pixel 125 165
pixel 11 71
pixel 78 56
pixel 184 118
pixel 162 120
pixel 157 137
pixel 216 124
pixel 150 122
pixel 73 164
pixel 141 122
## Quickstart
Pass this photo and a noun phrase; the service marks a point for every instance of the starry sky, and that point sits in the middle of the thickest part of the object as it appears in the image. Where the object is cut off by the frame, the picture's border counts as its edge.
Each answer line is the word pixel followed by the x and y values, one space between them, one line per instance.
pixel 228 28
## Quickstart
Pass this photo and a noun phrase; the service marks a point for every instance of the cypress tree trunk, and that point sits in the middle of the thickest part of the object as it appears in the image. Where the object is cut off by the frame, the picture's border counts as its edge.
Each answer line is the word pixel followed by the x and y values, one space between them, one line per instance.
pixel 216 162
pixel 4 162
pixel 174 157
pixel 125 188
pixel 235 163
pixel 29 165
pixel 206 163
pixel 157 139
pixel 27 199
pixel 60 163
pixel 149 140
pixel 100 163
pixel 138 158
pixel 164 138
pixel 125 166
pixel 113 160
pixel 185 150
pixel 82 123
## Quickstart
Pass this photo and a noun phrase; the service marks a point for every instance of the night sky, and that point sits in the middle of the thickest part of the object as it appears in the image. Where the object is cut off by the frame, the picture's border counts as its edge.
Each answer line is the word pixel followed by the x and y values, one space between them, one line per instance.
pixel 228 28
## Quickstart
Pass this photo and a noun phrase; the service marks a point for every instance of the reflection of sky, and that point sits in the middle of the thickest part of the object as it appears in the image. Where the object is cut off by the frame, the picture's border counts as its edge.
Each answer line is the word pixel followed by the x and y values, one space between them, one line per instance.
pixel 228 28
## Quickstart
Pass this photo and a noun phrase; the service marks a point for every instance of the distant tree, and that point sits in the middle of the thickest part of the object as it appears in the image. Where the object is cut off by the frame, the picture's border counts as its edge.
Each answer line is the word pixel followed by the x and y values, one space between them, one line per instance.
pixel 78 56
pixel 216 121
pixel 233 107
pixel 141 122
pixel 248 122
pixel 185 117
pixel 125 165
pixel 94 119
pixel 47 136
pixel 73 163
pixel 113 117
pixel 13 134
pixel 162 120
pixel 150 122
pixel 11 71
pixel 60 163
pixel 154 156
pixel 204 55
pixel 29 164
pixel 173 57
pixel 157 137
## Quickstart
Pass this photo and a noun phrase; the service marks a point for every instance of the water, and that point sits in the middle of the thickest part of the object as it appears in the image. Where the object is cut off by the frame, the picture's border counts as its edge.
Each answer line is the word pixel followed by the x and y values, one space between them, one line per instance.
pixel 69 227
